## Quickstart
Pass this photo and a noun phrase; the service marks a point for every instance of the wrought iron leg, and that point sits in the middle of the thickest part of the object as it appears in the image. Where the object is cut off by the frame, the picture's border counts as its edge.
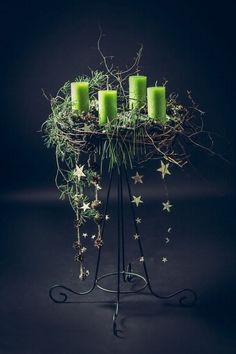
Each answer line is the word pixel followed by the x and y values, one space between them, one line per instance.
pixel 119 240
pixel 58 293
pixel 188 296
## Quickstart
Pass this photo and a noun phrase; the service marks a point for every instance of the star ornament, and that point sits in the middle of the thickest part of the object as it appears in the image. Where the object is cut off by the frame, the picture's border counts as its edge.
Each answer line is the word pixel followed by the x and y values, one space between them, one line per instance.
pixel 164 169
pixel 85 234
pixel 136 236
pixel 137 178
pixel 138 220
pixel 107 217
pixel 85 206
pixel 137 200
pixel 79 172
pixel 86 128
pixel 164 259
pixel 167 206
pixel 167 239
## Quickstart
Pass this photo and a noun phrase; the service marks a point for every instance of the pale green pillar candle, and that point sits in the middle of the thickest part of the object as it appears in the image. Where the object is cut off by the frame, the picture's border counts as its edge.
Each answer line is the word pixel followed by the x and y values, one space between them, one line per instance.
pixel 156 103
pixel 137 91
pixel 107 106
pixel 80 96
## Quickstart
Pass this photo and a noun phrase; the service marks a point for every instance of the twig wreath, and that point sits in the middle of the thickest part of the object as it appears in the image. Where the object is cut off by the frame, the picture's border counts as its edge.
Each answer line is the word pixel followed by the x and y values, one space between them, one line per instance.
pixel 131 140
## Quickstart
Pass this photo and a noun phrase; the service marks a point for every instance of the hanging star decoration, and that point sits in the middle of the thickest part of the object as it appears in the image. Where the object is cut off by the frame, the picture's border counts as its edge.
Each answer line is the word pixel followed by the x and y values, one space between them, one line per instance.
pixel 137 178
pixel 167 239
pixel 85 235
pixel 136 236
pixel 164 259
pixel 138 220
pixel 137 200
pixel 107 217
pixel 83 249
pixel 141 259
pixel 169 229
pixel 85 207
pixel 164 169
pixel 93 237
pixel 167 206
pixel 79 172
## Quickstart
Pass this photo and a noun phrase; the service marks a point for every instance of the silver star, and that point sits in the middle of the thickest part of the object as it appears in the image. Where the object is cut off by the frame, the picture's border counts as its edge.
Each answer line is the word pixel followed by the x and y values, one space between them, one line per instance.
pixel 79 172
pixel 85 235
pixel 85 206
pixel 164 169
pixel 137 200
pixel 137 178
pixel 136 236
pixel 167 206
pixel 164 259
pixel 93 237
pixel 107 217
pixel 169 229
pixel 167 239
pixel 98 187
pixel 141 259
pixel 138 220
pixel 83 249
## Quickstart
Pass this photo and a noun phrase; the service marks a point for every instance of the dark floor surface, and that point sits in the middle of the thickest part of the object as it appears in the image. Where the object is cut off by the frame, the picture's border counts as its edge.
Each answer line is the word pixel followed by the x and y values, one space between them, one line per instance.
pixel 36 253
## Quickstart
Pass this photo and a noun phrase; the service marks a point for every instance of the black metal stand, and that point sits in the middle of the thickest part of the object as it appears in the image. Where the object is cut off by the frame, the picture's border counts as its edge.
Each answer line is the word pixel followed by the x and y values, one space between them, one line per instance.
pixel 124 271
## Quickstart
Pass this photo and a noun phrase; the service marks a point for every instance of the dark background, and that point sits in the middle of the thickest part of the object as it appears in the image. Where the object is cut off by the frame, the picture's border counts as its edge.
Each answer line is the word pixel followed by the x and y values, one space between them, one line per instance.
pixel 44 44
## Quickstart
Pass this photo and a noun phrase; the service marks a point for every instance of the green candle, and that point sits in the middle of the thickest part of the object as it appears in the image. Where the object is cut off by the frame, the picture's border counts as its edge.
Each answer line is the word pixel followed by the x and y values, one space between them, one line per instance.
pixel 156 103
pixel 137 91
pixel 107 103
pixel 80 96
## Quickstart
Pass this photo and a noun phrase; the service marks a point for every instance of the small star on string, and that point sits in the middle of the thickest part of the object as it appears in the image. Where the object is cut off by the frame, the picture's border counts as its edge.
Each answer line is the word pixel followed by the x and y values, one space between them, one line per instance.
pixel 93 237
pixel 167 206
pixel 167 239
pixel 98 187
pixel 169 229
pixel 85 235
pixel 164 259
pixel 83 249
pixel 138 220
pixel 107 217
pixel 137 178
pixel 137 200
pixel 85 206
pixel 164 169
pixel 141 259
pixel 136 236
pixel 79 172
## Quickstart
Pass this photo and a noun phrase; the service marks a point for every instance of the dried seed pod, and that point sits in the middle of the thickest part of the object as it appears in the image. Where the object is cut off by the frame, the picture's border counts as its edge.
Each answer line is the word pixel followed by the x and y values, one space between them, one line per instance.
pixel 98 218
pixel 95 204
pixel 77 245
pixel 96 179
pixel 78 257
pixel 98 242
